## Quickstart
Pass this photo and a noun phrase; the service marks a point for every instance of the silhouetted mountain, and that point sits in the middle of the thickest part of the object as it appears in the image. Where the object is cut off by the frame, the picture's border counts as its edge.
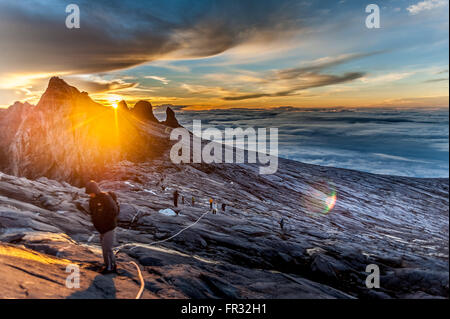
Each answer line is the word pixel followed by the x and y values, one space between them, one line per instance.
pixel 68 136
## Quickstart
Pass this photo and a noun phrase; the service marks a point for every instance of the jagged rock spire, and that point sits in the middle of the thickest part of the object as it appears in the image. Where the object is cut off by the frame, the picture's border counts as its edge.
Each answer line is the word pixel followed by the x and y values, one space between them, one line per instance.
pixel 144 110
pixel 171 119
pixel 123 106
pixel 61 96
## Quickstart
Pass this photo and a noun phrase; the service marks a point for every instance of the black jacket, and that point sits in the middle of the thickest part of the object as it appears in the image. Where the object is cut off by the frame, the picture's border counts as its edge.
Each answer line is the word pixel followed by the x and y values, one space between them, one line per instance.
pixel 104 212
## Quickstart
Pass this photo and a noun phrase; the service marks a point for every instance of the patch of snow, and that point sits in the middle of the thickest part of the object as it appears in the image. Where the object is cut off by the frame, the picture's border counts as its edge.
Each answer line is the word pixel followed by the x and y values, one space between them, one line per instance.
pixel 149 191
pixel 167 212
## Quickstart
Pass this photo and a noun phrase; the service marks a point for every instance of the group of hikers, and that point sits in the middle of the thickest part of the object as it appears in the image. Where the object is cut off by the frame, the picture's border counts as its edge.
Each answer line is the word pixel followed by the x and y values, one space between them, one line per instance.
pixel 212 204
pixel 104 210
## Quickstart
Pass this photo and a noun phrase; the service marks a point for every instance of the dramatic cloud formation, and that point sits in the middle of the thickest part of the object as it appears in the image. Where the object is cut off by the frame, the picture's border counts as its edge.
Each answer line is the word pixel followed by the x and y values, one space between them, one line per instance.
pixel 116 35
pixel 305 77
pixel 321 64
pixel 311 80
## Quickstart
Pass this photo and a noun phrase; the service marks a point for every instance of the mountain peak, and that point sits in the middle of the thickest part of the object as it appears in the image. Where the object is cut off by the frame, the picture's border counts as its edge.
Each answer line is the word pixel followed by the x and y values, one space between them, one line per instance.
pixel 56 81
pixel 144 110
pixel 171 119
pixel 123 106
pixel 58 93
pixel 57 84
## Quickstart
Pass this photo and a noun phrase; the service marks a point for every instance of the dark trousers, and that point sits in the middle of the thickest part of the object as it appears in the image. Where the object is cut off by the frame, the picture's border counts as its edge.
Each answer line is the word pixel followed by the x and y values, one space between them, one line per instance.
pixel 107 240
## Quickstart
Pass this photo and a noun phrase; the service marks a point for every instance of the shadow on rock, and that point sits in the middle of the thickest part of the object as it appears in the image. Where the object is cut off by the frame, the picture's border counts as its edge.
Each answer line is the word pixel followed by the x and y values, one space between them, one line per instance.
pixel 102 287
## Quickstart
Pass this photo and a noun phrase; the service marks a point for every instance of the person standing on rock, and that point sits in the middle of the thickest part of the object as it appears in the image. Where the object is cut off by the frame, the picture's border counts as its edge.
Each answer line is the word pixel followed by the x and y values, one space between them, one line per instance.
pixel 282 224
pixel 175 198
pixel 193 201
pixel 104 211
pixel 211 203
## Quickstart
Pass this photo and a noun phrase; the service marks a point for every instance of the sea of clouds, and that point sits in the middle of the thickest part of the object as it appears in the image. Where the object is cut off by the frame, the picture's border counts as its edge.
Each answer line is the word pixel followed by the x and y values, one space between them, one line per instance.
pixel 405 142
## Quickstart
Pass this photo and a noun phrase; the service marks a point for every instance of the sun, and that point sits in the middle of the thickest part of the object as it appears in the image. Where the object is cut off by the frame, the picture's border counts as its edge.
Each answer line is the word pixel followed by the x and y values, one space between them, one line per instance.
pixel 114 100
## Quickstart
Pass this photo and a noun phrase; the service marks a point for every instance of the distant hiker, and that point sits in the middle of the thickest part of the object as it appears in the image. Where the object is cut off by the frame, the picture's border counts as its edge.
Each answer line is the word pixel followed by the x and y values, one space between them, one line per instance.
pixel 182 200
pixel 175 198
pixel 224 206
pixel 282 224
pixel 193 201
pixel 210 203
pixel 214 208
pixel 104 210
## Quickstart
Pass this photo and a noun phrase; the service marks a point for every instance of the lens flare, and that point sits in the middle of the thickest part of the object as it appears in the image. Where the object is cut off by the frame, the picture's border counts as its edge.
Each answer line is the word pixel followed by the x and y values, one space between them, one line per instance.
pixel 319 199
pixel 330 202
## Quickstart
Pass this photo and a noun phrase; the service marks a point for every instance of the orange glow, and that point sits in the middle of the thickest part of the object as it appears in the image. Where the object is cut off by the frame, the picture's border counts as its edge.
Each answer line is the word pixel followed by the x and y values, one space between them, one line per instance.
pixel 114 100
pixel 22 253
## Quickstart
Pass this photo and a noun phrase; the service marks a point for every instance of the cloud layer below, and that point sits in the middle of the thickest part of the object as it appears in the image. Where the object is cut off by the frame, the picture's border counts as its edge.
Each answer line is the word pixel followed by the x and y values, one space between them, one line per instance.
pixel 411 142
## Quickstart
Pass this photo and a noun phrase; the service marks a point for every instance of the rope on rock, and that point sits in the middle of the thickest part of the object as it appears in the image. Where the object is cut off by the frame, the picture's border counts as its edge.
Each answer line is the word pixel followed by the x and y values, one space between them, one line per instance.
pixel 141 278
pixel 163 240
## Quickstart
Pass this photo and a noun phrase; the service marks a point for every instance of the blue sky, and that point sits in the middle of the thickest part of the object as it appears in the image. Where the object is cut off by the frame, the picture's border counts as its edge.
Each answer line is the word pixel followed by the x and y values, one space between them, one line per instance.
pixel 224 54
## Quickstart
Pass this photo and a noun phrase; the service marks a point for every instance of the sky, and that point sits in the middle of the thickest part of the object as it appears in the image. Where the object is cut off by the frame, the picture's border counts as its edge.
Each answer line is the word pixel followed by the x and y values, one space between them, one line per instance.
pixel 230 54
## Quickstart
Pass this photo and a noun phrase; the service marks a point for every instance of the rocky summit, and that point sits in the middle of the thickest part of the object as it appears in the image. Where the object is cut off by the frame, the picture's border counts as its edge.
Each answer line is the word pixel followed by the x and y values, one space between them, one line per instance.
pixel 336 222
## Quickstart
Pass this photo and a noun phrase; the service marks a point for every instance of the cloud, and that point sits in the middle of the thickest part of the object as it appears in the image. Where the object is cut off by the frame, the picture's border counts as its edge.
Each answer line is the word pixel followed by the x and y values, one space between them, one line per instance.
pixel 158 78
pixel 436 80
pixel 426 5
pixel 312 81
pixel 93 84
pixel 114 35
pixel 321 64
pixel 293 80
pixel 386 78
pixel 277 83
pixel 205 90
pixel 418 137
pixel 426 101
